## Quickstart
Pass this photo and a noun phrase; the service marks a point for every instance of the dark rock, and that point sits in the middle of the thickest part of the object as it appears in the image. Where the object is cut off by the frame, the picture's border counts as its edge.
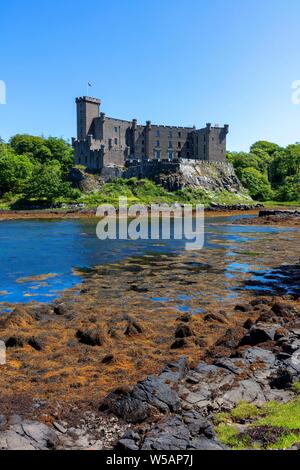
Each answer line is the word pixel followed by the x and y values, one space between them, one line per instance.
pixel 15 342
pixel 248 323
pixel 215 317
pixel 242 308
pixel 137 288
pixel 129 441
pixel 169 434
pixel 91 337
pixel 260 301
pixel 183 331
pixel 262 332
pixel 231 338
pixel 36 343
pixel 139 403
pixel 185 318
pixel 61 309
pixel 179 343
pixel 284 310
pixel 281 333
pixel 133 328
pixel 108 359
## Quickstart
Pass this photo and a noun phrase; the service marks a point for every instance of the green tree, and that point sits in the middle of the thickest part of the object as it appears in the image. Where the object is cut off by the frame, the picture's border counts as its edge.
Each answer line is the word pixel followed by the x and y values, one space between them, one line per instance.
pixel 15 170
pixel 46 184
pixel 256 183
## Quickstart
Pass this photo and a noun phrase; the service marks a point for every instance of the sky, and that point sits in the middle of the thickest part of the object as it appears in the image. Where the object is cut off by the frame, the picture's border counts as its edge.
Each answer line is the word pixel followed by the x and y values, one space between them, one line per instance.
pixel 173 62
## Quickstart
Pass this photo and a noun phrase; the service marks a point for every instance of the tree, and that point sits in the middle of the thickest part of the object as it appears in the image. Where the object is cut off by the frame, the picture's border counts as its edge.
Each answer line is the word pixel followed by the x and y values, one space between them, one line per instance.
pixel 257 184
pixel 46 184
pixel 15 170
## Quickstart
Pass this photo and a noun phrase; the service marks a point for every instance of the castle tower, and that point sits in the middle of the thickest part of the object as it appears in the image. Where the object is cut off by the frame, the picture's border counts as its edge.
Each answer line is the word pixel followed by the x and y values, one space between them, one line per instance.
pixel 87 109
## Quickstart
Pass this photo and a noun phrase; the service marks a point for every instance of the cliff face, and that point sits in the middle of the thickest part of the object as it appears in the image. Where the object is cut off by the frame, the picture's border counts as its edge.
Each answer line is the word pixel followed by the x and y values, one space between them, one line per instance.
pixel 201 175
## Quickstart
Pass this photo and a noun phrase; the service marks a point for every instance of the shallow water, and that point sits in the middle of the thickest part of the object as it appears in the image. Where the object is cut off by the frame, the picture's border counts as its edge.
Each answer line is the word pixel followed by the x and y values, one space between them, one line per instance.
pixel 38 257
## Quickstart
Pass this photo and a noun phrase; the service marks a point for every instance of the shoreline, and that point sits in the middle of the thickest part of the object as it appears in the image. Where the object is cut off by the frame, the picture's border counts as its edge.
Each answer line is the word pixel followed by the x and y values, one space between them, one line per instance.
pixel 82 347
pixel 91 213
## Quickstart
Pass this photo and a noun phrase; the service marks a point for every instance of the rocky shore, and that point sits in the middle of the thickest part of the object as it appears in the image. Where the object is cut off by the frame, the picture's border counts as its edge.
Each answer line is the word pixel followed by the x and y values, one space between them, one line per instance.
pixel 80 212
pixel 282 217
pixel 254 363
pixel 148 352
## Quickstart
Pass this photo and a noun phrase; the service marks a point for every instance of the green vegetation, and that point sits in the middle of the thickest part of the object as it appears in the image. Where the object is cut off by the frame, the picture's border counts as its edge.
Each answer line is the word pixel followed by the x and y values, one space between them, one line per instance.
pixel 33 170
pixel 147 192
pixel 269 171
pixel 33 173
pixel 271 426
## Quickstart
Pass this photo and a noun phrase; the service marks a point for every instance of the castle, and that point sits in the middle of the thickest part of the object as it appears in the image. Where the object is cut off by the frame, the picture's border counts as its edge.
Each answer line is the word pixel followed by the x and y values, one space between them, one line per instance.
pixel 103 142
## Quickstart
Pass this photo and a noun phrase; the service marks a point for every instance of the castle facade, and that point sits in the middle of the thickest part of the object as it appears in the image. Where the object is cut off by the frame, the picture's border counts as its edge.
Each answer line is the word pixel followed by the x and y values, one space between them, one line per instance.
pixel 104 142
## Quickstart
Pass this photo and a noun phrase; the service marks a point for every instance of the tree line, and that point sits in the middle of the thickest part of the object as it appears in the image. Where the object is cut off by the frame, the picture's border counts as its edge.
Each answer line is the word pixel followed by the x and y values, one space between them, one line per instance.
pixel 36 168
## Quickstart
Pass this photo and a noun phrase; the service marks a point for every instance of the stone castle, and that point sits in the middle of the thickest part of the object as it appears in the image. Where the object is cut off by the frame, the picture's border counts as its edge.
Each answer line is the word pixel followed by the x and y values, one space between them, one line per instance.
pixel 105 143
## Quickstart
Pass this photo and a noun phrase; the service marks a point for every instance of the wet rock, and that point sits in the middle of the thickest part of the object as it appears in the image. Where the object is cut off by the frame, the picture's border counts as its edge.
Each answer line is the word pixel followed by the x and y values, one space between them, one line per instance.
pixel 186 318
pixel 260 301
pixel 183 331
pixel 108 359
pixel 242 308
pixel 179 343
pixel 36 343
pixel 280 333
pixel 15 342
pixel 284 310
pixel 248 323
pixel 262 332
pixel 62 309
pixel 215 317
pixel 91 337
pixel 133 328
pixel 138 288
pixel 231 338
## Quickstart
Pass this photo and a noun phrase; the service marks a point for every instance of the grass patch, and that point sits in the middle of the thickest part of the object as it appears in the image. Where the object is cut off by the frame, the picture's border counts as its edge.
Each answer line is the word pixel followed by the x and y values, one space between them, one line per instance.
pixel 146 192
pixel 272 426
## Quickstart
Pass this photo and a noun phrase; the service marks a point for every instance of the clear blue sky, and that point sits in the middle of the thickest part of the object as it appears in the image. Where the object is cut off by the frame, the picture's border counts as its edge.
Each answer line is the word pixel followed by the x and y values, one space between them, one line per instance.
pixel 176 62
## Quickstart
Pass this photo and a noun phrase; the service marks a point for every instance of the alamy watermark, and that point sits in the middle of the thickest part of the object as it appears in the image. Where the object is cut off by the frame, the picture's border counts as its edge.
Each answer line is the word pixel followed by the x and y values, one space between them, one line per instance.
pixel 154 222
pixel 2 353
pixel 2 92
pixel 295 98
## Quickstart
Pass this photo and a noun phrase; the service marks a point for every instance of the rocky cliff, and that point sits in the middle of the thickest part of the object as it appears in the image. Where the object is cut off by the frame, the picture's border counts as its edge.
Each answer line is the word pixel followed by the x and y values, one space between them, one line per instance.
pixel 202 175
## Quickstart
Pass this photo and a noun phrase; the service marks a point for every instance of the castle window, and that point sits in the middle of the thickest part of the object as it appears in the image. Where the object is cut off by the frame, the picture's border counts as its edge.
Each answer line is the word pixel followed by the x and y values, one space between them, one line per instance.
pixel 187 145
pixel 179 145
pixel 157 154
pixel 143 149
pixel 110 143
pixel 204 149
pixel 170 144
pixel 157 133
pixel 179 135
pixel 116 129
pixel 187 154
pixel 157 143
pixel 203 137
pixel 170 155
pixel 143 142
pixel 179 154
pixel 116 141
pixel 170 134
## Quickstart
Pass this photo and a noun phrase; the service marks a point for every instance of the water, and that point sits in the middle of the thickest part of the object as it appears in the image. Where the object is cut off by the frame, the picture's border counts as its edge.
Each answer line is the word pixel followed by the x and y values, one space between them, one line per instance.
pixel 52 249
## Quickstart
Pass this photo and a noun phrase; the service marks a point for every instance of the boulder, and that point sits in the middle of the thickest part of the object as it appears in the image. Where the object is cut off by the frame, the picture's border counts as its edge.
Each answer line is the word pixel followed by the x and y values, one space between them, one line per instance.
pixel 91 337
pixel 183 331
